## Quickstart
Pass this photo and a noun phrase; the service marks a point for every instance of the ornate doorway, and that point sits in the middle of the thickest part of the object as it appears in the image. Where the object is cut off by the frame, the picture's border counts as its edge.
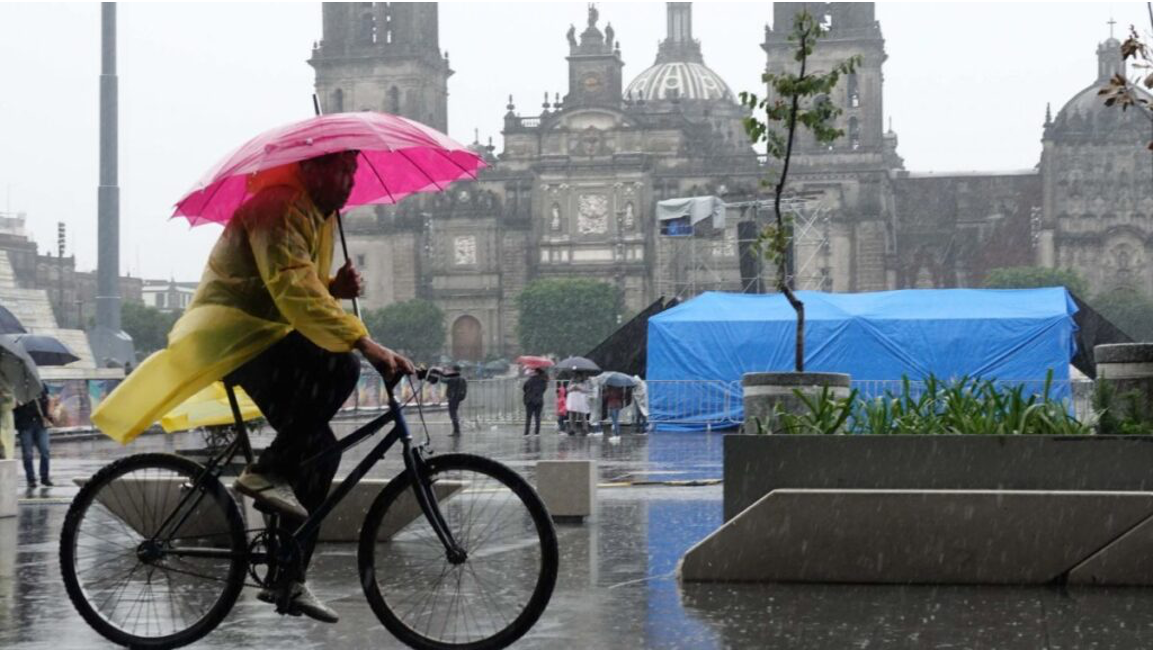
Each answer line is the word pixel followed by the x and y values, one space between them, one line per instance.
pixel 467 344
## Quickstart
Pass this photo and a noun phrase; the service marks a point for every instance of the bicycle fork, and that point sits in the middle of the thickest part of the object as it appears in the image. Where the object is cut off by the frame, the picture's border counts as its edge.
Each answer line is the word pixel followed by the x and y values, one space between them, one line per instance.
pixel 426 499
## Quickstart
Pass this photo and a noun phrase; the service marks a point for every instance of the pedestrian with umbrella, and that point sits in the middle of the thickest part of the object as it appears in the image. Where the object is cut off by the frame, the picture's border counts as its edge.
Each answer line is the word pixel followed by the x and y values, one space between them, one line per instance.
pixel 267 315
pixel 615 386
pixel 19 383
pixel 33 417
pixel 534 398
pixel 579 391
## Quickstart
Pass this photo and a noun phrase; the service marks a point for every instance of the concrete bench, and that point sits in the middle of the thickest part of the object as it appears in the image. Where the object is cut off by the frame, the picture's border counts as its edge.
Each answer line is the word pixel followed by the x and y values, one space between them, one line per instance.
pixel 931 537
pixel 568 488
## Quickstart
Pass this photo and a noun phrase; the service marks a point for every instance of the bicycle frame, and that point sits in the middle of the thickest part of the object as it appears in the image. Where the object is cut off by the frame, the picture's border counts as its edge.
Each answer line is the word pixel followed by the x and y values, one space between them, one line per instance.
pixel 400 432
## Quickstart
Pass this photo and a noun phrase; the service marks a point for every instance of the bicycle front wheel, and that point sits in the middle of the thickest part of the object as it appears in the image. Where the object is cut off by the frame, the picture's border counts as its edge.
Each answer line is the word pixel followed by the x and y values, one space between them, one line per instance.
pixel 148 559
pixel 492 598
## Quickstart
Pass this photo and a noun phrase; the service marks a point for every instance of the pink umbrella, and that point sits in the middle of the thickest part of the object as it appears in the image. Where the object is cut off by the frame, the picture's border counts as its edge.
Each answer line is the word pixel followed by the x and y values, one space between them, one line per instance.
pixel 398 157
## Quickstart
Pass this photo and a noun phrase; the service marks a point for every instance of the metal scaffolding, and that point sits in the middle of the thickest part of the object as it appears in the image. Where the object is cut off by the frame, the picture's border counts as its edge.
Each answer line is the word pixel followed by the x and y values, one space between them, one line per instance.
pixel 709 259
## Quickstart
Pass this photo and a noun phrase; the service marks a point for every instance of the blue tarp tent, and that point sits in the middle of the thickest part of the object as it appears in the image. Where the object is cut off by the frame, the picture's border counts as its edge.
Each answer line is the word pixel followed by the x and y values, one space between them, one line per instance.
pixel 1003 334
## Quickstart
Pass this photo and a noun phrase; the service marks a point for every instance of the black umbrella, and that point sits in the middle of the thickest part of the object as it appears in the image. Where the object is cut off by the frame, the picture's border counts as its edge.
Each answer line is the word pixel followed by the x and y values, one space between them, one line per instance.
pixel 46 350
pixel 9 324
pixel 577 364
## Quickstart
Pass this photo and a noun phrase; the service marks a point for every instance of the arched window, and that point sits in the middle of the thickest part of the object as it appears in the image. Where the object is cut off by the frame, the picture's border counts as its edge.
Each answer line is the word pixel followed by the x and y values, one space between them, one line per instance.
pixel 852 93
pixel 338 101
pixel 854 134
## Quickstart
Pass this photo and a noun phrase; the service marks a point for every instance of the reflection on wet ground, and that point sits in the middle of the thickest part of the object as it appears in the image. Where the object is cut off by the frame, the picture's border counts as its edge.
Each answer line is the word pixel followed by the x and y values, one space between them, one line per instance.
pixel 616 588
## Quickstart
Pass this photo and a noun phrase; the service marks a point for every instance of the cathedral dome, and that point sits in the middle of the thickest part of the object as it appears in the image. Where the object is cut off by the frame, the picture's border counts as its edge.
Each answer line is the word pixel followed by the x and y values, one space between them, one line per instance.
pixel 1086 112
pixel 682 80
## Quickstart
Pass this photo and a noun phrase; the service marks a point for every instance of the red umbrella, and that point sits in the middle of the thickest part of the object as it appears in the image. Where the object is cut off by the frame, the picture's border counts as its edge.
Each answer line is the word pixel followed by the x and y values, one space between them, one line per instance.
pixel 534 362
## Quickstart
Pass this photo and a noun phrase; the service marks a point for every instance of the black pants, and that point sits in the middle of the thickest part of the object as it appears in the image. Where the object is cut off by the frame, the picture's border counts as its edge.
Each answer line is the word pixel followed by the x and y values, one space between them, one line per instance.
pixel 299 387
pixel 533 413
pixel 453 417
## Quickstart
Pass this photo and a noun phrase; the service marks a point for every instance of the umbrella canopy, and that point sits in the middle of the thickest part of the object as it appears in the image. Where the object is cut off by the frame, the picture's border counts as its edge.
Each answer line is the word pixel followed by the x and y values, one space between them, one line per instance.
pixel 9 324
pixel 18 372
pixel 398 157
pixel 45 350
pixel 619 379
pixel 533 363
pixel 577 364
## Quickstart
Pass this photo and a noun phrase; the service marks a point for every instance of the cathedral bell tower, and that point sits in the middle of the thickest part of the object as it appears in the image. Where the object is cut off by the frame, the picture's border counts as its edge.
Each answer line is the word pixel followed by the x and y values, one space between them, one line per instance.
pixel 594 66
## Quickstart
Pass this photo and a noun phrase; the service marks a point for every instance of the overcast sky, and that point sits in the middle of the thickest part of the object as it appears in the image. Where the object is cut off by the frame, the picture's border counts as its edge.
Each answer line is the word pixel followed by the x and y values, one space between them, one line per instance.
pixel 966 85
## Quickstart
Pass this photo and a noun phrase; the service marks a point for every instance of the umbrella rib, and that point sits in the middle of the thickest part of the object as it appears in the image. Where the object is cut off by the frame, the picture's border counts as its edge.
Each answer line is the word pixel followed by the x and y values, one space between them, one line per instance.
pixel 376 173
pixel 401 152
pixel 450 159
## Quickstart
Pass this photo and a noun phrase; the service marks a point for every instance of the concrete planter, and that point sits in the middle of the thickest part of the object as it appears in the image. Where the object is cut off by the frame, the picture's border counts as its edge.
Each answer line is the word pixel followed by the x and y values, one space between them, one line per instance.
pixel 1127 366
pixel 944 509
pixel 756 465
pixel 763 391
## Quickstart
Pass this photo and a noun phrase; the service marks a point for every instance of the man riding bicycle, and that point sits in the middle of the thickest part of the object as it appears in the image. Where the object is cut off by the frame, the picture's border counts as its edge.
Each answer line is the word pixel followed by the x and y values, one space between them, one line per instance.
pixel 268 317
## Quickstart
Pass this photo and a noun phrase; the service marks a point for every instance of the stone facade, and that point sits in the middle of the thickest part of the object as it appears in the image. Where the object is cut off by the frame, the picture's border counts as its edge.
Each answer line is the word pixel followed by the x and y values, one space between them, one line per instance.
pixel 572 191
pixel 1096 188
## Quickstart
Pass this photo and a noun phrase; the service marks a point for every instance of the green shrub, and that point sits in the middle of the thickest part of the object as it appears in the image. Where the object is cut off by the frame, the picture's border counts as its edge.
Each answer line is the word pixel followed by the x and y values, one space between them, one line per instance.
pixel 1119 414
pixel 963 406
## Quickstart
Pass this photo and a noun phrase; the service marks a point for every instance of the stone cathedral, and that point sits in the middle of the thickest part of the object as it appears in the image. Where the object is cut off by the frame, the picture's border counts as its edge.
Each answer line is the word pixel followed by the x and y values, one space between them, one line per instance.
pixel 572 191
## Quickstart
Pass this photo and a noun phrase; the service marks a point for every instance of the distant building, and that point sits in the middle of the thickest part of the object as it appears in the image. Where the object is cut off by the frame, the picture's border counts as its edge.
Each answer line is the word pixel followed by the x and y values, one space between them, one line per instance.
pixel 572 191
pixel 167 295
pixel 71 294
pixel 50 298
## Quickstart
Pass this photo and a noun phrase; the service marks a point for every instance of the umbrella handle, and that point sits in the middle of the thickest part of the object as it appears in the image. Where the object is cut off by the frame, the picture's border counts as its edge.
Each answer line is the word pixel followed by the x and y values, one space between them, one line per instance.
pixel 340 223
pixel 345 248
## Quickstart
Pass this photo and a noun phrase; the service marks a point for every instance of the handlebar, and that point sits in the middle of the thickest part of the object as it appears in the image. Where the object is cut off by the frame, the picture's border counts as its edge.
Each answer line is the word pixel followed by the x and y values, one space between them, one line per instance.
pixel 430 375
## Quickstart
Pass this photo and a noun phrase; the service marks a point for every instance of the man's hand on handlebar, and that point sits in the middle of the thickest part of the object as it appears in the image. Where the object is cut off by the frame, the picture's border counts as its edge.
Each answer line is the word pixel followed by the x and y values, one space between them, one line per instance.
pixel 390 364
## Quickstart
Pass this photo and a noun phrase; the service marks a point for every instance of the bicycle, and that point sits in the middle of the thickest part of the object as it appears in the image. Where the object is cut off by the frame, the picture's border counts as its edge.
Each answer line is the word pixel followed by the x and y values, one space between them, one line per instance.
pixel 154 552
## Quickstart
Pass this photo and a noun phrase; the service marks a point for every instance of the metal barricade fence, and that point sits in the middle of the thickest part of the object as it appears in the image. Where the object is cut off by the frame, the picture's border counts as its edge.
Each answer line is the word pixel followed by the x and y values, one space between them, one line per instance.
pixel 710 404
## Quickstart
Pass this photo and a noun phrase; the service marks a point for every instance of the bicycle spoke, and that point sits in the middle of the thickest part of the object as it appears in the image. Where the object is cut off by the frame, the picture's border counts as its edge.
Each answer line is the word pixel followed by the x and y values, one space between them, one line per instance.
pixel 438 602
pixel 129 575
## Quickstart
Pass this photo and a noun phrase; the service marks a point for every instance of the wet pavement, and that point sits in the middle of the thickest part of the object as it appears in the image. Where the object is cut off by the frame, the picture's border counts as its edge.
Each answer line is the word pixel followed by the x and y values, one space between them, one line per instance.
pixel 616 588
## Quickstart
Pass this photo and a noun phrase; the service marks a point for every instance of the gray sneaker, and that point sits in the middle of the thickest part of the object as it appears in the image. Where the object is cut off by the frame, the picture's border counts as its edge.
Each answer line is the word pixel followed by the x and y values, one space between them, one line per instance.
pixel 272 491
pixel 303 602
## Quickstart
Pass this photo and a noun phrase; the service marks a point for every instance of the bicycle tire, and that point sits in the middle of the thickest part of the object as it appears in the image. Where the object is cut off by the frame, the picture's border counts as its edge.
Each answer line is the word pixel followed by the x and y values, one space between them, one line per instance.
pixel 463 481
pixel 126 501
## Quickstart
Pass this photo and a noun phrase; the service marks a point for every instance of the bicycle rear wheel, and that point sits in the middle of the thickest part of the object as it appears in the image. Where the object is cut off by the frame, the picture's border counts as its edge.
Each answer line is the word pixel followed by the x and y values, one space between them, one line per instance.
pixel 488 601
pixel 148 562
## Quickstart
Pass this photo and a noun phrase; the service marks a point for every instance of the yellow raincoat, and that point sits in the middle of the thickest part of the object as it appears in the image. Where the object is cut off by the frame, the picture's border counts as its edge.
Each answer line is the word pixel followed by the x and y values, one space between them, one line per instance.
pixel 209 407
pixel 266 276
